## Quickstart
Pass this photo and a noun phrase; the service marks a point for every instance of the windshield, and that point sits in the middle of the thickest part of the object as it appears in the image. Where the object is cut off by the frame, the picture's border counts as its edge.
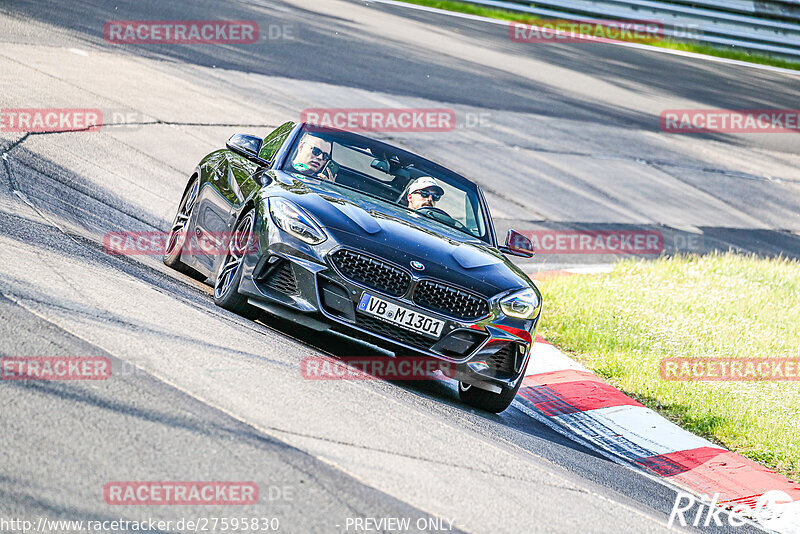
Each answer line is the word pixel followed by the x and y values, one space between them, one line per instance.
pixel 389 174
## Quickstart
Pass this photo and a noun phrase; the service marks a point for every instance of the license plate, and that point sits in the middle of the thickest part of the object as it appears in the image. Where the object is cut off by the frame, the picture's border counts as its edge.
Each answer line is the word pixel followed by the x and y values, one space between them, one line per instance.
pixel 412 320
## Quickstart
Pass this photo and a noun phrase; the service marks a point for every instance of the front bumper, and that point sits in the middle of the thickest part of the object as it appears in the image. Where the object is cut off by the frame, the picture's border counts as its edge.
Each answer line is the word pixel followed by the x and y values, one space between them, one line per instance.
pixel 489 351
pixel 492 352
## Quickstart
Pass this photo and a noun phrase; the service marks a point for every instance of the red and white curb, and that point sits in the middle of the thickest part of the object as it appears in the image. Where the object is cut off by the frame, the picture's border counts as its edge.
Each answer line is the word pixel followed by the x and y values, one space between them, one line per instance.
pixel 569 397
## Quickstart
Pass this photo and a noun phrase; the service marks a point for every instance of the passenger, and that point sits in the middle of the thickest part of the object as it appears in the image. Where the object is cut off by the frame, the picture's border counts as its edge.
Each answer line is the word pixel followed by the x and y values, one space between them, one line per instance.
pixel 424 192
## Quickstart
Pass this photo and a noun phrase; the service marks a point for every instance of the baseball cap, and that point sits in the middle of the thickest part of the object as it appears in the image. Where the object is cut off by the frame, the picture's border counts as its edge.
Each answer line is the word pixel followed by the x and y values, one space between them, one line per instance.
pixel 424 182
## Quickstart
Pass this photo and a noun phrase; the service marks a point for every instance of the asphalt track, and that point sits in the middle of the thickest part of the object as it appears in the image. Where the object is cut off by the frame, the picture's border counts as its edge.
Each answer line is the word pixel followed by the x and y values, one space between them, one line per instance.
pixel 197 393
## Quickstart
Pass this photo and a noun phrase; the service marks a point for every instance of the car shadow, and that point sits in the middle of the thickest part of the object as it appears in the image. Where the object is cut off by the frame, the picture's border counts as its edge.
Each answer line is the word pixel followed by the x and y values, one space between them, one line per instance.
pixel 435 387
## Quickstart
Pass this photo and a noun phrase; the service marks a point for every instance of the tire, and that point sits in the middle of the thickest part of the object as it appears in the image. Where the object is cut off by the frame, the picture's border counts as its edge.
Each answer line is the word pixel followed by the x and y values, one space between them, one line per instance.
pixel 177 234
pixel 486 400
pixel 226 281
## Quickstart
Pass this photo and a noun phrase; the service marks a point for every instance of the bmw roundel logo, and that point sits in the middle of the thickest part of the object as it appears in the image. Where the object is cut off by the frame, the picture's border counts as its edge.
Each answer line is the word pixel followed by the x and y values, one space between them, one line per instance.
pixel 417 266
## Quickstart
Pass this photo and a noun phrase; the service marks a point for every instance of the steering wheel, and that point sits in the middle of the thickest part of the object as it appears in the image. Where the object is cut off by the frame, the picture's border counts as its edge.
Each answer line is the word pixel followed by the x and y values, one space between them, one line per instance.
pixel 442 216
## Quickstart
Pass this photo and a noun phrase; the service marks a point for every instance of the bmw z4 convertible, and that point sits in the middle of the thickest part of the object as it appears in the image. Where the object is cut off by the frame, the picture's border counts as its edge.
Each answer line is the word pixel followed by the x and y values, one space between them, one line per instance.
pixel 334 230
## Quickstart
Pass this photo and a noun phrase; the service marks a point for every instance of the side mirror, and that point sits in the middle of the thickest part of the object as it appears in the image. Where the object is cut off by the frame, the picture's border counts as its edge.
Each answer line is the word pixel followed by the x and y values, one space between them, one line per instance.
pixel 247 146
pixel 518 245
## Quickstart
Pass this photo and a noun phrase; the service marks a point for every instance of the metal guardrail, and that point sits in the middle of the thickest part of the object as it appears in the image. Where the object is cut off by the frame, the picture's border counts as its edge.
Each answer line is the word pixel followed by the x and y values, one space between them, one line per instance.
pixel 783 9
pixel 750 25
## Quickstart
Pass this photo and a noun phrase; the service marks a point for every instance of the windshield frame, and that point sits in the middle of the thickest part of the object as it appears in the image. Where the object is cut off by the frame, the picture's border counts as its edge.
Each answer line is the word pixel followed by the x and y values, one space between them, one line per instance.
pixel 282 157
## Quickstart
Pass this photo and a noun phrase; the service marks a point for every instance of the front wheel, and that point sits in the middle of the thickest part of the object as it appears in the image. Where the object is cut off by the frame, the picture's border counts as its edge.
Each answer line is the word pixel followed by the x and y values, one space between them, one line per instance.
pixel 487 400
pixel 178 232
pixel 226 283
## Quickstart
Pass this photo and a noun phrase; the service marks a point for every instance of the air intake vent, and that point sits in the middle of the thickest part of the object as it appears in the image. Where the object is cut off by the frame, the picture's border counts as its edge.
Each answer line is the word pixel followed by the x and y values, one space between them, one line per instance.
pixel 504 359
pixel 280 277
pixel 451 300
pixel 371 272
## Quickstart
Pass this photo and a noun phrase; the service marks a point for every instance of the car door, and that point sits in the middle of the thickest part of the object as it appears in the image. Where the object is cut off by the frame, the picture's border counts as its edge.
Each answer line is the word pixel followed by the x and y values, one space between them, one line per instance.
pixel 231 182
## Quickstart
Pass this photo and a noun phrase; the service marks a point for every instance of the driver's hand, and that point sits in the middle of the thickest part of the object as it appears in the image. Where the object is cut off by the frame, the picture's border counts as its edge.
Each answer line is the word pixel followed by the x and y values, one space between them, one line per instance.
pixel 330 171
pixel 328 175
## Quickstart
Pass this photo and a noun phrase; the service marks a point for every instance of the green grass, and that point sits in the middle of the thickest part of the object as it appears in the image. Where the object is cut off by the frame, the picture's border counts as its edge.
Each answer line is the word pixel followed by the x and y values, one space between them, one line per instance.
pixel 622 324
pixel 502 14
pixel 474 9
pixel 728 53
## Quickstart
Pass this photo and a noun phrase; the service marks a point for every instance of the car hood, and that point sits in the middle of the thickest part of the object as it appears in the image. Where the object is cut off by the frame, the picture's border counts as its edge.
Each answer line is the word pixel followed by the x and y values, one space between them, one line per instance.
pixel 401 236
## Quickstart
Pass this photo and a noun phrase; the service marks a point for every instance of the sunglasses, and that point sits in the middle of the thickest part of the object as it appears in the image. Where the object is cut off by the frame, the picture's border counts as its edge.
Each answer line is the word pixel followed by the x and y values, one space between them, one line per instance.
pixel 429 194
pixel 319 153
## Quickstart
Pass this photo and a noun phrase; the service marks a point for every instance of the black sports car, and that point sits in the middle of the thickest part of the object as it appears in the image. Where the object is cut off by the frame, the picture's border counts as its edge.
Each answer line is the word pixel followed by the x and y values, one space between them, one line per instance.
pixel 334 230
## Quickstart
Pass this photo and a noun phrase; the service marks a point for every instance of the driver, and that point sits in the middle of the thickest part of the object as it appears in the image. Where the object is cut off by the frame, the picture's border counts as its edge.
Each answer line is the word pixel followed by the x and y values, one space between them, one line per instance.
pixel 424 192
pixel 313 158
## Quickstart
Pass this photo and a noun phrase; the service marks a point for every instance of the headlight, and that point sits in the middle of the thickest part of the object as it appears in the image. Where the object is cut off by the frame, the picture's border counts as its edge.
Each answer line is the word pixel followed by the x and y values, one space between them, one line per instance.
pixel 522 304
pixel 292 219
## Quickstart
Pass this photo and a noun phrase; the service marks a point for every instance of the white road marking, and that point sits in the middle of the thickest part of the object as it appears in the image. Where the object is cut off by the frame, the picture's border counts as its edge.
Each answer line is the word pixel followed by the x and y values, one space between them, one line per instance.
pixel 639 425
pixel 545 358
